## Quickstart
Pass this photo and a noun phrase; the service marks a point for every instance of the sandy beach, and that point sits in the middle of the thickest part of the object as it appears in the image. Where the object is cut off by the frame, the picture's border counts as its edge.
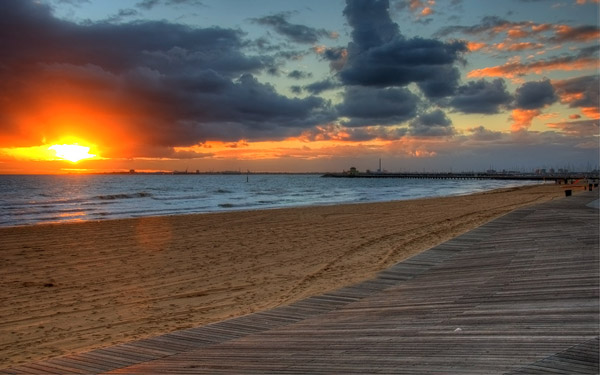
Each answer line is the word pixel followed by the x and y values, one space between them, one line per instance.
pixel 74 287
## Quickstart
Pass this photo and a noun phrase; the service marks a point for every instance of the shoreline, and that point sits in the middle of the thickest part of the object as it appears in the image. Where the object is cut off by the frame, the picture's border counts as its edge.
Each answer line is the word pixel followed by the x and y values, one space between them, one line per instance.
pixel 71 287
pixel 234 209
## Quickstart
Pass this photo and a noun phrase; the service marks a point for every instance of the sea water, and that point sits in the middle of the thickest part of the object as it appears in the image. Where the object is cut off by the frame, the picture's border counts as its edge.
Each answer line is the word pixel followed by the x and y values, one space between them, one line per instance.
pixel 38 199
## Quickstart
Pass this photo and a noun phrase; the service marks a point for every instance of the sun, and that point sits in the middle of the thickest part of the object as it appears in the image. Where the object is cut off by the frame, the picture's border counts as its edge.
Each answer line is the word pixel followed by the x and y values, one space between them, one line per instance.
pixel 72 153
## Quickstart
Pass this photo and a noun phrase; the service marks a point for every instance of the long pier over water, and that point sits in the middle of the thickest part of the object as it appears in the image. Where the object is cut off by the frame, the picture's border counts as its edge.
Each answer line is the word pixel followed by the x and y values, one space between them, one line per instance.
pixel 559 178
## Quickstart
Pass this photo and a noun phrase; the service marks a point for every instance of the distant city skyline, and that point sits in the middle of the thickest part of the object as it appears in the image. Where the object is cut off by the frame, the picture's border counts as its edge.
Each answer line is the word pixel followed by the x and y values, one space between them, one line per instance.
pixel 298 86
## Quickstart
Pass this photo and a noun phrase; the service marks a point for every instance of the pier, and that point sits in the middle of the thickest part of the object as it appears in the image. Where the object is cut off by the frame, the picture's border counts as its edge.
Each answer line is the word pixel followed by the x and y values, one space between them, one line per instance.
pixel 558 178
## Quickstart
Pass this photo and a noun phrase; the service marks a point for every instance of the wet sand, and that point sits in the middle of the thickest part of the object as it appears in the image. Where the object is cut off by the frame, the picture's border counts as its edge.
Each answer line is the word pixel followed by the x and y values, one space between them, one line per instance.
pixel 69 288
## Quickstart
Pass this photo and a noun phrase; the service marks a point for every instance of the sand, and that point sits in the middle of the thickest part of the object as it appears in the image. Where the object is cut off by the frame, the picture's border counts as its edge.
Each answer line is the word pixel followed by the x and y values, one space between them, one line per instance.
pixel 69 288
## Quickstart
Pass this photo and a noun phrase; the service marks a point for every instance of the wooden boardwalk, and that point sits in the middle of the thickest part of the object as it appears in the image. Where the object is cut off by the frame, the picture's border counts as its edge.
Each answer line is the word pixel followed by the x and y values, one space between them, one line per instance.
pixel 519 295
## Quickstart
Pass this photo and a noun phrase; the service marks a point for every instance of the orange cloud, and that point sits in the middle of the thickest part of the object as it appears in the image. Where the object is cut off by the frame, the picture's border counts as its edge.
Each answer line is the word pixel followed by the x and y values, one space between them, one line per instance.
pixel 290 148
pixel 550 34
pixel 591 112
pixel 582 93
pixel 585 128
pixel 320 49
pixel 522 118
pixel 509 46
pixel 580 34
pixel 426 11
pixel 541 27
pixel 475 46
pixel 514 69
pixel 300 148
pixel 548 116
pixel 517 33
pixel 424 8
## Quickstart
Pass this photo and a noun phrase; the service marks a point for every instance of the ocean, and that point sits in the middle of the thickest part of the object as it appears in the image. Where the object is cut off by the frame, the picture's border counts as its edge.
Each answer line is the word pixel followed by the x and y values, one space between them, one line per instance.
pixel 40 199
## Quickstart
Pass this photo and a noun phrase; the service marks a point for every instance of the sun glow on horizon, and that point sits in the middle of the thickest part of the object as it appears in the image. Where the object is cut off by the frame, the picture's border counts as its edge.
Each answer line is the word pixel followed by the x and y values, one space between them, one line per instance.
pixel 62 151
pixel 72 153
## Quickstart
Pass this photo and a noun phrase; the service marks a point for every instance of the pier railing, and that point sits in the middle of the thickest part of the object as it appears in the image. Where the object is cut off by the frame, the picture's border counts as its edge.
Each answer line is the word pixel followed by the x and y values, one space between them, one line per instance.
pixel 559 178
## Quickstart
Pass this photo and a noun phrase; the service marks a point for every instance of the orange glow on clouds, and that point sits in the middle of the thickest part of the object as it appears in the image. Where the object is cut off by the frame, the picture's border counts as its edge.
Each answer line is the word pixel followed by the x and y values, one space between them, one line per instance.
pixel 299 148
pixel 522 118
pixel 515 68
pixel 591 112
pixel 66 152
pixel 475 46
pixel 289 148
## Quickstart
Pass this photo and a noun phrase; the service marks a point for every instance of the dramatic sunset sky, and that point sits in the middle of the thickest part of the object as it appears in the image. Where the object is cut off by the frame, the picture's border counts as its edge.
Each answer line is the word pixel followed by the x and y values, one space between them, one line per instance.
pixel 298 85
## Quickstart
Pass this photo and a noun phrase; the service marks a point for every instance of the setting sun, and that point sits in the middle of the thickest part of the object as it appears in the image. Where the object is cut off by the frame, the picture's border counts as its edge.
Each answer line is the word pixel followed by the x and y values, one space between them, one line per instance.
pixel 73 153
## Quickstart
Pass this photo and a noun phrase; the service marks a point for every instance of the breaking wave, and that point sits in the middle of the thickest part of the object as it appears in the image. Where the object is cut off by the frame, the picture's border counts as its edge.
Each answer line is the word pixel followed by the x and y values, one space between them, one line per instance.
pixel 141 194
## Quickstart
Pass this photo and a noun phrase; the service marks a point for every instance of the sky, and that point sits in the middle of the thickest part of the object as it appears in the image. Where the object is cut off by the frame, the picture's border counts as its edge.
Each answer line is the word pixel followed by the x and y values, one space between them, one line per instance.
pixel 298 86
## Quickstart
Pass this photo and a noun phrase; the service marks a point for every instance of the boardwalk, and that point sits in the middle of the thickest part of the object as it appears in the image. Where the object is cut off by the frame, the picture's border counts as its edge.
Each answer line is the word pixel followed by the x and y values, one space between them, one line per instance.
pixel 518 295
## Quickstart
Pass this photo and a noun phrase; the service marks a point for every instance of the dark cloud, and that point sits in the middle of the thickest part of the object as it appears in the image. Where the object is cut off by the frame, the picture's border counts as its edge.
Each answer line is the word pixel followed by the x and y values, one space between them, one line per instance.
pixel 335 55
pixel 481 97
pixel 580 91
pixel 320 86
pixel 480 133
pixel 149 4
pixel 380 56
pixel 162 84
pixel 294 32
pixel 432 124
pixel 441 83
pixel 401 62
pixel 73 2
pixel 492 26
pixel 372 106
pixel 258 105
pixel 127 12
pixel 118 47
pixel 535 95
pixel 583 128
pixel 123 14
pixel 358 134
pixel 371 23
pixel 296 74
pixel 579 34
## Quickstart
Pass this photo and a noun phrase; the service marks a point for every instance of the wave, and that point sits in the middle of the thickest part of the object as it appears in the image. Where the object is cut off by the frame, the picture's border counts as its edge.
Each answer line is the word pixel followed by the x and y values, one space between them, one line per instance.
pixel 141 194
pixel 43 204
pixel 181 198
pixel 223 191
